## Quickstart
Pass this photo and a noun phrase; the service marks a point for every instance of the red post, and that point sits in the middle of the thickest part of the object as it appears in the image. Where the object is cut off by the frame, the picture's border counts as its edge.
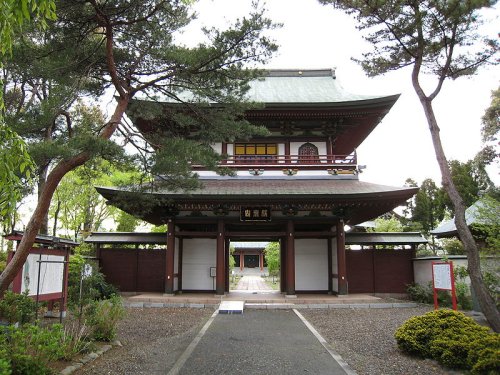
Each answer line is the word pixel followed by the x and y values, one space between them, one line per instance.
pixel 443 279
pixel 290 258
pixel 220 261
pixel 170 256
pixel 341 259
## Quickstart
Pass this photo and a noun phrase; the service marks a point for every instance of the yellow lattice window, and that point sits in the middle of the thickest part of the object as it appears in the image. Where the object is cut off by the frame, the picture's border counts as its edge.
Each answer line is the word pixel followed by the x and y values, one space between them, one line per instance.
pixel 255 152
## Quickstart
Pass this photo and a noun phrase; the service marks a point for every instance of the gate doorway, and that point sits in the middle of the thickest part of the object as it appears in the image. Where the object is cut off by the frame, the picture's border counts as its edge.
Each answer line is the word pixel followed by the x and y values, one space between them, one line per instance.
pixel 248 267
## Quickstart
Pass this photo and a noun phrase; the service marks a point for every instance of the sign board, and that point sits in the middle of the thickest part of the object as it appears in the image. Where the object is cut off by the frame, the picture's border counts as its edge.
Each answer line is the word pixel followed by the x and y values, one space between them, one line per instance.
pixel 213 272
pixel 443 279
pixel 250 213
pixel 51 274
pixel 442 275
pixel 87 271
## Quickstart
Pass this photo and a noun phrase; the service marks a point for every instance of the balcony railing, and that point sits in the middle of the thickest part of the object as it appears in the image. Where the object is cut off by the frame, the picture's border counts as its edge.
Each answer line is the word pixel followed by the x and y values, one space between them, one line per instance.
pixel 290 161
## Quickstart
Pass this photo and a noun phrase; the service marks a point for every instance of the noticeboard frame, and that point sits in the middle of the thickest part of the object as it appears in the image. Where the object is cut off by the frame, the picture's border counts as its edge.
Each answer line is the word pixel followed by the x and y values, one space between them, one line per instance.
pixel 443 279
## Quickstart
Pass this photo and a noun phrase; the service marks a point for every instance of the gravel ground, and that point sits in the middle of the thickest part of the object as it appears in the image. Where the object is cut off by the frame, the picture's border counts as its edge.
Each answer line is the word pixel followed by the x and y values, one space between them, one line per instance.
pixel 153 339
pixel 365 339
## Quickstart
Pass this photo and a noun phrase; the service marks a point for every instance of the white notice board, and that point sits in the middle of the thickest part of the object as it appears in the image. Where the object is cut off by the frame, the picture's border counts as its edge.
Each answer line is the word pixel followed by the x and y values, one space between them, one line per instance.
pixel 51 274
pixel 441 274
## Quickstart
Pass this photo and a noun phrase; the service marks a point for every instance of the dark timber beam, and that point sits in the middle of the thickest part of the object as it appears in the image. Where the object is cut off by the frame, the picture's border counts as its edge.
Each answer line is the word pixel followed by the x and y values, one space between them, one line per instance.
pixel 220 277
pixel 170 256
pixel 341 258
pixel 290 259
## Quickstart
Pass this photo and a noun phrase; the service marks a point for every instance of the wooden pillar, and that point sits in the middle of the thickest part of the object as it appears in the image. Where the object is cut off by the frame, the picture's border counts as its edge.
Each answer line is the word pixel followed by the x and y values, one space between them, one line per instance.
pixel 288 159
pixel 290 258
pixel 330 268
pixel 227 255
pixel 282 265
pixel 220 263
pixel 65 284
pixel 179 266
pixel 169 258
pixel 242 260
pixel 261 260
pixel 341 258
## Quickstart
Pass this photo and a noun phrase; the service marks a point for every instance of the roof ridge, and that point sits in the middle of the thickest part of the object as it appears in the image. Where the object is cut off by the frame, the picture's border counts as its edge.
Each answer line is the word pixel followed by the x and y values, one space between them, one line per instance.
pixel 326 72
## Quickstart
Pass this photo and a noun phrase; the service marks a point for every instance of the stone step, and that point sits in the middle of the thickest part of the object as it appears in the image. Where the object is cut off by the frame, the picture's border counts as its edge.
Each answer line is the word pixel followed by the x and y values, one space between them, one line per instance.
pixel 231 307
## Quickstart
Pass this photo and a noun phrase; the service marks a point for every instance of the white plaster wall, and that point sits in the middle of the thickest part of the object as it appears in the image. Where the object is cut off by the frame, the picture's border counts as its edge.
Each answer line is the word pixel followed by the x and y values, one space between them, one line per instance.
pixel 217 147
pixel 311 264
pixel 198 255
pixel 281 151
pixel 422 268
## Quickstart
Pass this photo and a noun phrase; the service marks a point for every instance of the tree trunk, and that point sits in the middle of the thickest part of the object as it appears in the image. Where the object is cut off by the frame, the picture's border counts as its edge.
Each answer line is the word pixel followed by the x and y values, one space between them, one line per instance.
pixel 56 217
pixel 42 179
pixel 45 197
pixel 484 298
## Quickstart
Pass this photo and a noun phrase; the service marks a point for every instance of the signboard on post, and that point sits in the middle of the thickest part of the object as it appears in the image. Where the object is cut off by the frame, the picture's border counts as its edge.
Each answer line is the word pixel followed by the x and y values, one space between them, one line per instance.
pixel 443 279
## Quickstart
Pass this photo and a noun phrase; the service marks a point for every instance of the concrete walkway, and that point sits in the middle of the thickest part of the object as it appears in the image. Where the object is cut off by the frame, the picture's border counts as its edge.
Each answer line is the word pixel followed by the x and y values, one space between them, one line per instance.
pixel 259 342
pixel 249 282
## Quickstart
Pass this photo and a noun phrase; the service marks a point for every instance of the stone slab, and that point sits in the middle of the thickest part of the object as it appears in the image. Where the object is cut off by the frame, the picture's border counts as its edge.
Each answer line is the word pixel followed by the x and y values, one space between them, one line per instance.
pixel 231 307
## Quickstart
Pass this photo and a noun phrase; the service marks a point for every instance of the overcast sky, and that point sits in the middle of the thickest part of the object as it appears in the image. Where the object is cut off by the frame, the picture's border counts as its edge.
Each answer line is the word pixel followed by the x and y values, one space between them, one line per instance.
pixel 316 36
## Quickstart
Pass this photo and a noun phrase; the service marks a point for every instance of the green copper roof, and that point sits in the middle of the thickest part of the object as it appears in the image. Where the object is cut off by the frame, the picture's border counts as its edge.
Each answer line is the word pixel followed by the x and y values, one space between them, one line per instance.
pixel 301 86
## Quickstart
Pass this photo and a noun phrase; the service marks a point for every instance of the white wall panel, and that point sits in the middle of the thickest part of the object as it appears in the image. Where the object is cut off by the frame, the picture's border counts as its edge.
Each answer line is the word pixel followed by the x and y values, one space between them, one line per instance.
pixel 311 264
pixel 198 255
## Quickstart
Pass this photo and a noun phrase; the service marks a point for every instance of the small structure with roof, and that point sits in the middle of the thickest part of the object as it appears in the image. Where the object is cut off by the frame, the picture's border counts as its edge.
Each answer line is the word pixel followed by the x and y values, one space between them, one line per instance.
pixel 298 186
pixel 44 275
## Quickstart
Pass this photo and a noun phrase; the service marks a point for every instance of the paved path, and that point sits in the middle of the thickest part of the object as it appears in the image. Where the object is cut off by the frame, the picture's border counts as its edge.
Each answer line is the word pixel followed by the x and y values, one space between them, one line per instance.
pixel 252 283
pixel 260 342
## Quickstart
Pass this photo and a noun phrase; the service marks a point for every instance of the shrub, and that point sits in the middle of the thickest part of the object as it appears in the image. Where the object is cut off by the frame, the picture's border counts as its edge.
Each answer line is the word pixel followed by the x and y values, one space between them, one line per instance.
pixel 94 287
pixel 419 293
pixel 451 338
pixel 103 317
pixel 16 308
pixel 29 348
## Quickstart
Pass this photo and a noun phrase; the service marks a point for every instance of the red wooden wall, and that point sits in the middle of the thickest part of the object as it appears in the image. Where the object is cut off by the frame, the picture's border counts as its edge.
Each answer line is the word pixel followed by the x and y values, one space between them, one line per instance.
pixel 379 271
pixel 134 270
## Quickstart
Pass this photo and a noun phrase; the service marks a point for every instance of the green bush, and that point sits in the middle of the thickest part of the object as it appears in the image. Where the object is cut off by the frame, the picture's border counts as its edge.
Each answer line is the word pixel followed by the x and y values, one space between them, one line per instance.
pixel 103 316
pixel 28 349
pixel 17 308
pixel 451 338
pixel 94 287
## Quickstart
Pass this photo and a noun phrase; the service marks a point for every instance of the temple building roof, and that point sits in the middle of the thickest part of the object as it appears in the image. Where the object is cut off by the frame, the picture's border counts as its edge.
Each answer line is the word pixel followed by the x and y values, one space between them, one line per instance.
pixel 360 200
pixel 304 86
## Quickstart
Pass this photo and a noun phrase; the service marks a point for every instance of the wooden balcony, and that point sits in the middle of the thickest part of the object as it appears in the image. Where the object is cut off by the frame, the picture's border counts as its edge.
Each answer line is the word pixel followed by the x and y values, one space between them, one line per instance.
pixel 301 162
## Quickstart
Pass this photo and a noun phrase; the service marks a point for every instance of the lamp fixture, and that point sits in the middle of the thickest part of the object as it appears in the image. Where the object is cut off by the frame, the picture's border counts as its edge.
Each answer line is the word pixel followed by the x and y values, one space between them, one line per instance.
pixel 256 172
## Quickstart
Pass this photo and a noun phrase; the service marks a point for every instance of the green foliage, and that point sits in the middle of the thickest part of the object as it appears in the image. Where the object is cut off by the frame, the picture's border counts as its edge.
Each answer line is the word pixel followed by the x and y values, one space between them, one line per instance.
pixel 429 208
pixel 29 348
pixel 15 14
pixel 451 338
pixel 419 293
pixel 272 253
pixel 103 316
pixel 16 171
pixel 126 222
pixel 386 225
pixel 453 246
pixel 487 224
pixel 232 262
pixel 17 308
pixel 94 287
pixel 492 281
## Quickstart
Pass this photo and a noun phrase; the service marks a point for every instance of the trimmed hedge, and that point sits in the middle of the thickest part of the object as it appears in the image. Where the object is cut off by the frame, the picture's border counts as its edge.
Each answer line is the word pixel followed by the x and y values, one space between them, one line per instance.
pixel 453 339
